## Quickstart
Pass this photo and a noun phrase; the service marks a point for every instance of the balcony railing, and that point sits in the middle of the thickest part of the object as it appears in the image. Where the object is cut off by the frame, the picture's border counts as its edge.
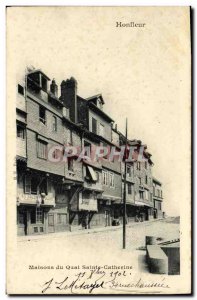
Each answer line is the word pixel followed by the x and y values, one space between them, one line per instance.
pixel 93 185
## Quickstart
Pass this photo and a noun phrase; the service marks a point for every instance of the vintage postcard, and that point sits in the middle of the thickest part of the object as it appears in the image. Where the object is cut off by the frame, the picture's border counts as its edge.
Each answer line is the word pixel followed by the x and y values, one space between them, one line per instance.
pixel 98 150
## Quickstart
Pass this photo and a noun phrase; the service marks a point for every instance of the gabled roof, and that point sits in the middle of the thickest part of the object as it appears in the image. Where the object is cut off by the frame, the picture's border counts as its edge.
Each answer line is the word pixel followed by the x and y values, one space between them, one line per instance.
pixel 96 97
pixel 99 111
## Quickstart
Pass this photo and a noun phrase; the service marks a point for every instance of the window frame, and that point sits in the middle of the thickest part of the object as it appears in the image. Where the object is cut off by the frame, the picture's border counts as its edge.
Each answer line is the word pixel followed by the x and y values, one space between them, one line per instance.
pixel 111 180
pixel 54 123
pixel 105 177
pixel 130 168
pixel 138 165
pixel 43 143
pixel 41 119
pixel 129 188
pixel 30 177
pixel 70 161
pixel 23 130
pixel 141 193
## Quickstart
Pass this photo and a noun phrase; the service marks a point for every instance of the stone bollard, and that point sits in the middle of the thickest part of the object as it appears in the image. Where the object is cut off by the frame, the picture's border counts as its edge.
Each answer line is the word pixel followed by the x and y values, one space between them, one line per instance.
pixel 150 240
pixel 157 260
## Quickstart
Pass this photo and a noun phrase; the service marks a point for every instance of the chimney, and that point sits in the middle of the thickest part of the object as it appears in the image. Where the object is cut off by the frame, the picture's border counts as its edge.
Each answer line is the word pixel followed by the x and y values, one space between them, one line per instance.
pixel 69 97
pixel 54 88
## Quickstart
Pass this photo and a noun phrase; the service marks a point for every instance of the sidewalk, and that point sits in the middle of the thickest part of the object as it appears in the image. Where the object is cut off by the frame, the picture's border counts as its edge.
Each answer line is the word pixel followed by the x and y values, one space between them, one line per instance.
pixel 57 235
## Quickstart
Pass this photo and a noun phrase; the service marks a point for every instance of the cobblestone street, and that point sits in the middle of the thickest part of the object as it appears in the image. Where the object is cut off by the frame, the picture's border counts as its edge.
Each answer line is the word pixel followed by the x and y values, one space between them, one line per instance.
pixel 101 240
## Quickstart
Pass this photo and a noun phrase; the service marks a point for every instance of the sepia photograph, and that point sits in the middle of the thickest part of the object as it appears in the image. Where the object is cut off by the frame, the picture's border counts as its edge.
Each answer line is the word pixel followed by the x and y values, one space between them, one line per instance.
pixel 98 150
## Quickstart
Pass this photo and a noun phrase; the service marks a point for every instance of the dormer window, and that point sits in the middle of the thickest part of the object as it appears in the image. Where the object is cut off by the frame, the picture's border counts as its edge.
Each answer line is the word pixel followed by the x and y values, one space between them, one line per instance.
pixel 44 83
pixel 100 104
pixel 37 80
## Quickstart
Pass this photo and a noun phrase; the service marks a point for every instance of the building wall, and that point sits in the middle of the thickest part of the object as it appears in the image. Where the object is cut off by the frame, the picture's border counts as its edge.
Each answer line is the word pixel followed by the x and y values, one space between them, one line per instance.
pixel 115 138
pixel 100 120
pixel 142 173
pixel 70 136
pixel 35 162
pixel 63 211
pixel 44 129
pixel 158 198
pixel 116 191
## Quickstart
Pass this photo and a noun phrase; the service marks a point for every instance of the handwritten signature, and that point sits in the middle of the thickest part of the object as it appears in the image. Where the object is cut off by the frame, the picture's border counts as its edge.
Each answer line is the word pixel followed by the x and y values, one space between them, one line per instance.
pixel 88 282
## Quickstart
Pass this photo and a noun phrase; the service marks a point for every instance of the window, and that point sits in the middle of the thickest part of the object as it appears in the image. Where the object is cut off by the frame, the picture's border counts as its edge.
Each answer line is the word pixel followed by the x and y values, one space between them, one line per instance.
pixel 100 104
pixel 87 149
pixel 31 184
pixel 161 194
pixel 146 179
pixel 105 146
pixel 42 114
pixel 94 125
pixel 154 191
pixel 20 132
pixel 140 180
pixel 54 124
pixel 129 170
pixel 70 164
pixel 145 164
pixel 129 188
pixel 42 149
pixel 111 180
pixel 159 205
pixel 138 166
pixel 101 130
pixel 146 195
pixel 69 137
pixel 105 179
pixel 37 216
pixel 141 195
pixel 20 89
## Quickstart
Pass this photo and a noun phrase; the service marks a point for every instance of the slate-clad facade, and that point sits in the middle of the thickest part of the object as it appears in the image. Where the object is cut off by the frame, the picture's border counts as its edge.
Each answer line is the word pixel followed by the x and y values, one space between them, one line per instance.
pixel 66 194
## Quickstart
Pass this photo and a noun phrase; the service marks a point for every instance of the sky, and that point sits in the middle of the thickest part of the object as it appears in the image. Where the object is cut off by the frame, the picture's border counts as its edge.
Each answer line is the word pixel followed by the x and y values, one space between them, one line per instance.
pixel 142 73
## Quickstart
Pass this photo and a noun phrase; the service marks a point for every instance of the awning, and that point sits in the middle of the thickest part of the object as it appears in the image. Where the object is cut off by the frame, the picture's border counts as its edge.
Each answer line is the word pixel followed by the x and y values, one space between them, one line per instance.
pixel 138 203
pixel 108 197
pixel 95 164
pixel 148 205
pixel 92 173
